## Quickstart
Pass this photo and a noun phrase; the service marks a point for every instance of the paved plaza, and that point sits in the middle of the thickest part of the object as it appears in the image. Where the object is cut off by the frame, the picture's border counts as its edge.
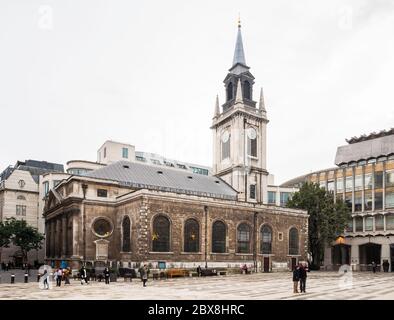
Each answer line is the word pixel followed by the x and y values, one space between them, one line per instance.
pixel 261 286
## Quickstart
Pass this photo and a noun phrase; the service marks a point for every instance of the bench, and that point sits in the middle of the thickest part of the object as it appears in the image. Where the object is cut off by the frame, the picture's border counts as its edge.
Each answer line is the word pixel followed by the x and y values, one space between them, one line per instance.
pixel 177 273
pixel 209 272
pixel 222 273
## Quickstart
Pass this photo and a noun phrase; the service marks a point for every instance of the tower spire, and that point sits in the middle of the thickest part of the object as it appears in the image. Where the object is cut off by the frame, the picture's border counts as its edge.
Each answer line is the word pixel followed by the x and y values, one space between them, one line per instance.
pixel 239 54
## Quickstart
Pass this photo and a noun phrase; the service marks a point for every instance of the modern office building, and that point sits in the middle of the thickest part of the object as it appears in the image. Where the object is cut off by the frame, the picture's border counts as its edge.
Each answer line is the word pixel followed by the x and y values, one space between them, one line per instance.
pixel 364 179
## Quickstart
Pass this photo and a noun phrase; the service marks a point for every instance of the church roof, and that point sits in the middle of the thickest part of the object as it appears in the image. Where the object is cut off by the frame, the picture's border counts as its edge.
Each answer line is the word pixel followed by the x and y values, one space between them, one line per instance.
pixel 143 176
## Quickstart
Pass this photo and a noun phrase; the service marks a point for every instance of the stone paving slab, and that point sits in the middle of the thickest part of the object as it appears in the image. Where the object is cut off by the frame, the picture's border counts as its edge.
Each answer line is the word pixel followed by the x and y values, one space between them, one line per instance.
pixel 261 286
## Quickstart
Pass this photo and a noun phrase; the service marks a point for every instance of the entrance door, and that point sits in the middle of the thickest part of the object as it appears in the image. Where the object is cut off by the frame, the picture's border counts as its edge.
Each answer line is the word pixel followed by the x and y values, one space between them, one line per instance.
pixel 266 264
pixel 293 263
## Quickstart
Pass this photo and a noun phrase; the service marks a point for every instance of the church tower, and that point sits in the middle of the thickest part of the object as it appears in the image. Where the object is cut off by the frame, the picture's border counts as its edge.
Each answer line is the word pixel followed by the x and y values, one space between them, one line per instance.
pixel 239 132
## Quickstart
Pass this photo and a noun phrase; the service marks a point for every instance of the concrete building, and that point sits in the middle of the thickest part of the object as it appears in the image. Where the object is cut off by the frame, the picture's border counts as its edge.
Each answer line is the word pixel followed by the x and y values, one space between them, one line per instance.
pixel 129 212
pixel 22 197
pixel 364 179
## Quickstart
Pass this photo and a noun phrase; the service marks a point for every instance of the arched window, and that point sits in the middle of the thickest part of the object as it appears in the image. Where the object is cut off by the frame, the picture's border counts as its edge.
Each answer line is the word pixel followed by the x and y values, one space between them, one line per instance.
pixel 243 238
pixel 252 142
pixel 191 236
pixel 126 247
pixel 229 91
pixel 247 93
pixel 219 237
pixel 161 234
pixel 266 240
pixel 293 241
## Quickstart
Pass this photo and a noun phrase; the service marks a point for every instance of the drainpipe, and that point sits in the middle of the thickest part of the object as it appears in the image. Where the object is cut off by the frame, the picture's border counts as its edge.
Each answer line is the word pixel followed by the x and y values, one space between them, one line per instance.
pixel 206 235
pixel 255 241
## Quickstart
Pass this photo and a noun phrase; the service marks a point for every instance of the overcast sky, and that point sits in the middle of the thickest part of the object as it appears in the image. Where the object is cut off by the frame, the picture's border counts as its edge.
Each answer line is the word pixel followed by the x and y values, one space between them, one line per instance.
pixel 76 73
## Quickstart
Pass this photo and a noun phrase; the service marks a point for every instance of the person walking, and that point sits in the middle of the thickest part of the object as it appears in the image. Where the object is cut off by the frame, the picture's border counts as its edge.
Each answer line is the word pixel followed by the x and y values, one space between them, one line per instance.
pixel 59 275
pixel 303 275
pixel 66 275
pixel 45 277
pixel 84 275
pixel 296 278
pixel 199 271
pixel 144 274
pixel 373 267
pixel 106 275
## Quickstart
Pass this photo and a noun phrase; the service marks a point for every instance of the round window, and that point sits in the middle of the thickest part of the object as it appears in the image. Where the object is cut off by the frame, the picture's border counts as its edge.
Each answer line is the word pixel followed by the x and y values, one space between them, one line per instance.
pixel 225 136
pixel 102 227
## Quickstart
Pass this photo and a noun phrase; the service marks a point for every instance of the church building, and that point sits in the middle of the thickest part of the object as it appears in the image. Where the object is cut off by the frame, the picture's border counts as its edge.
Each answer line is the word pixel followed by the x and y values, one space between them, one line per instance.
pixel 128 212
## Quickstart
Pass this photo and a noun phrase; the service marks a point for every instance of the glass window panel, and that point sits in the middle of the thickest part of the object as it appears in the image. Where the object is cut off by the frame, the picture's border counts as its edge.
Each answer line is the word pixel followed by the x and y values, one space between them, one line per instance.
pixel 339 185
pixel 191 235
pixel 266 240
pixel 379 222
pixel 284 198
pixel 389 199
pixel 359 224
pixel 368 223
pixel 322 184
pixel 390 178
pixel 378 200
pixel 218 237
pixel 126 247
pixel 390 222
pixel 161 234
pixel 243 238
pixel 348 200
pixel 358 182
pixel 368 181
pixel 349 183
pixel 125 153
pixel 368 200
pixel 330 185
pixel 349 226
pixel 358 201
pixel 271 197
pixel 378 179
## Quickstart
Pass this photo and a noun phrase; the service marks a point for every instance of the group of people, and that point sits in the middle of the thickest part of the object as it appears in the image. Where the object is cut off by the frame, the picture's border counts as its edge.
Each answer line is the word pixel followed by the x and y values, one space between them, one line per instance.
pixel 299 276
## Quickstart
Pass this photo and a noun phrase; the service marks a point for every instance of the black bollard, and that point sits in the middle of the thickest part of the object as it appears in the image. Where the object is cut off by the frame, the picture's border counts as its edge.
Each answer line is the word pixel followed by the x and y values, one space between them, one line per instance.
pixel 12 278
pixel 26 277
pixel 38 277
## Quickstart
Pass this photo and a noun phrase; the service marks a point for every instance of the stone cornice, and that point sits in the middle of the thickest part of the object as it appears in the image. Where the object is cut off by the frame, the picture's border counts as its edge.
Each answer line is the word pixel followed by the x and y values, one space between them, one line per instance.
pixel 249 113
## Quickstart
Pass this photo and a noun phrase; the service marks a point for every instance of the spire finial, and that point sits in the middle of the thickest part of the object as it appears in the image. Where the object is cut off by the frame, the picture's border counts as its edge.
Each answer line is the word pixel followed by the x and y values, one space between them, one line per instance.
pixel 262 103
pixel 217 111
pixel 239 20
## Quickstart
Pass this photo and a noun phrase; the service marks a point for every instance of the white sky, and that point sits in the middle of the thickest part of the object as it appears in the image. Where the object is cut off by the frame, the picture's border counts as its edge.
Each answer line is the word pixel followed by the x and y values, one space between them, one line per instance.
pixel 75 73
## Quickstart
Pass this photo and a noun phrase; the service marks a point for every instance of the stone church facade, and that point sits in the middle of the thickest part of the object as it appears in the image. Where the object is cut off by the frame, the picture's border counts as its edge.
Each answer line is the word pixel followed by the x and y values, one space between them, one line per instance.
pixel 128 212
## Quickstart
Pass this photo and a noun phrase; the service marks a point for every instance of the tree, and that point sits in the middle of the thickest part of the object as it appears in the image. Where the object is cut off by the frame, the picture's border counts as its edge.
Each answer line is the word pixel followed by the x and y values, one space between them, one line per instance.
pixel 327 220
pixel 23 236
pixel 5 236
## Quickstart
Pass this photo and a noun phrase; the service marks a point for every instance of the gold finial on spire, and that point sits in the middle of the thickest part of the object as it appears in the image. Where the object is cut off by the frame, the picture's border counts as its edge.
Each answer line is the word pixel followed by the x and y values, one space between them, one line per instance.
pixel 239 20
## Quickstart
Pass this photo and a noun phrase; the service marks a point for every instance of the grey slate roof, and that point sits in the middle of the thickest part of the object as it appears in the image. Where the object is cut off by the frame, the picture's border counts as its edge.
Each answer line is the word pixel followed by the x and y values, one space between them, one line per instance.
pixel 364 150
pixel 239 55
pixel 140 175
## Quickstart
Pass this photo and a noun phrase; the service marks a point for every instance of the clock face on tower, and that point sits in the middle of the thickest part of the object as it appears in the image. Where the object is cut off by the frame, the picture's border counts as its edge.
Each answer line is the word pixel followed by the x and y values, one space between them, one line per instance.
pixel 225 136
pixel 251 132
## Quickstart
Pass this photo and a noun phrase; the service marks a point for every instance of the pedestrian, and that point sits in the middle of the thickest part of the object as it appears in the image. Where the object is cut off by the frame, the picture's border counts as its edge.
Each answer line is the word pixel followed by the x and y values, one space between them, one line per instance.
pixel 84 275
pixel 373 267
pixel 386 266
pixel 106 275
pixel 6 267
pixel 144 274
pixel 59 275
pixel 296 278
pixel 199 271
pixel 45 277
pixel 66 275
pixel 303 274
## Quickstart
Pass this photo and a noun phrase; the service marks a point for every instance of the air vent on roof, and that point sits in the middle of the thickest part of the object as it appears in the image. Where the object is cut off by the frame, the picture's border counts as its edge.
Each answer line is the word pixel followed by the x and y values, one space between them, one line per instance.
pixel 189 177
pixel 126 166
pixel 160 172
pixel 217 181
